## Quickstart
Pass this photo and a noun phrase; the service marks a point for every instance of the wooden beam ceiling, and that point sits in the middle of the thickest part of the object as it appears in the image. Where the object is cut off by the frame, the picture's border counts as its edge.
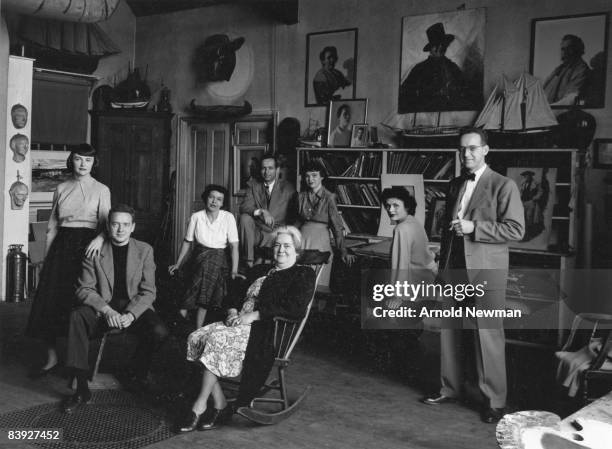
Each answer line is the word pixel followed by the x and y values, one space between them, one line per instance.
pixel 285 11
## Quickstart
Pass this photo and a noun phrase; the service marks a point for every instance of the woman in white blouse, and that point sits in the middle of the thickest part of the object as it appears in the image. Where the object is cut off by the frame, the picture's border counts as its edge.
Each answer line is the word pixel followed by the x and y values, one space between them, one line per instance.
pixel 206 273
pixel 75 230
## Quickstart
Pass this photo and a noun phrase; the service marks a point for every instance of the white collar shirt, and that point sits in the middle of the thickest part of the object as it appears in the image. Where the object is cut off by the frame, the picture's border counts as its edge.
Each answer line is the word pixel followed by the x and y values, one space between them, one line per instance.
pixel 469 190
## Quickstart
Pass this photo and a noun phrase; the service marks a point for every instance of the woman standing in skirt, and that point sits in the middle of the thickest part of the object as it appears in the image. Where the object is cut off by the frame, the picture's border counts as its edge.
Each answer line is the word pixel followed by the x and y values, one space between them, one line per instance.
pixel 75 230
pixel 207 271
pixel 317 213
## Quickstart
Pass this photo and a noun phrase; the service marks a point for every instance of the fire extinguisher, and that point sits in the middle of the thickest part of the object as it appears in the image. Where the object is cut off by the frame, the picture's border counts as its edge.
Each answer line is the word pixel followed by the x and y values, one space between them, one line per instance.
pixel 16 267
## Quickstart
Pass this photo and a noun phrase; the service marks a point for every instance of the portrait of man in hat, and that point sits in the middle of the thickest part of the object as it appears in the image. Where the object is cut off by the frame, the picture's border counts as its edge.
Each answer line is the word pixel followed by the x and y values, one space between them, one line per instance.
pixel 537 189
pixel 450 77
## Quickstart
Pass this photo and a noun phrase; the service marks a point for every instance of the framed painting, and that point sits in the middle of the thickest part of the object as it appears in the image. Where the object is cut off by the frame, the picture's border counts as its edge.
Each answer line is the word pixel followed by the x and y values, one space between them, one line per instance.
pixel 568 54
pixel 247 165
pixel 435 219
pixel 342 114
pixel 49 169
pixel 414 185
pixel 359 136
pixel 602 153
pixel 441 62
pixel 331 66
pixel 537 188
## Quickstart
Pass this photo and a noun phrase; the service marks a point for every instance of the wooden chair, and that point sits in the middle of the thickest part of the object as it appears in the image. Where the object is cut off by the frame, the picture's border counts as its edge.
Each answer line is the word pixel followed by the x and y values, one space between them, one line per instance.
pixel 286 335
pixel 600 326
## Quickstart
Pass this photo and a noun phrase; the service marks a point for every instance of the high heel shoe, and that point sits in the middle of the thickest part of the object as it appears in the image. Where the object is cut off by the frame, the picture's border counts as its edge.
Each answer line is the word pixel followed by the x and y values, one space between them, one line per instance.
pixel 40 372
pixel 217 418
pixel 190 424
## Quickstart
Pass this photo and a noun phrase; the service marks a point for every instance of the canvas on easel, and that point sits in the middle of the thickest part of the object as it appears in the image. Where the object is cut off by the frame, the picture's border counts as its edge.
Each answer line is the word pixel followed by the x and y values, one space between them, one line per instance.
pixel 414 185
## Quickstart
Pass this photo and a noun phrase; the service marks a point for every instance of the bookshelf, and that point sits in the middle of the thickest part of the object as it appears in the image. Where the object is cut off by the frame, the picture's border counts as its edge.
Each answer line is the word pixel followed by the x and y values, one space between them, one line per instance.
pixel 354 174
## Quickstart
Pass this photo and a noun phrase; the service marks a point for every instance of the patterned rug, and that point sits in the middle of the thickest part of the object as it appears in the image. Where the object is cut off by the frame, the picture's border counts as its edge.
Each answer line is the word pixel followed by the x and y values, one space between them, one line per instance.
pixel 113 419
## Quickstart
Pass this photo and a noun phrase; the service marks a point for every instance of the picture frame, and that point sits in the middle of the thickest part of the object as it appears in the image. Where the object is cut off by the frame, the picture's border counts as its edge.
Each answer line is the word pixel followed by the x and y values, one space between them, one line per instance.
pixel 331 66
pixel 49 169
pixel 415 185
pixel 247 165
pixel 602 153
pixel 537 186
pixel 460 37
pixel 435 219
pixel 339 126
pixel 583 39
pixel 359 135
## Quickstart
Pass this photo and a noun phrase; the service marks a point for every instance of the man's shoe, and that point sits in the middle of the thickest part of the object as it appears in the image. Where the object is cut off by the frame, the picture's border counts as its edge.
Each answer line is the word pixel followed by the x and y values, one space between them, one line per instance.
pixel 75 401
pixel 438 400
pixel 218 418
pixel 492 415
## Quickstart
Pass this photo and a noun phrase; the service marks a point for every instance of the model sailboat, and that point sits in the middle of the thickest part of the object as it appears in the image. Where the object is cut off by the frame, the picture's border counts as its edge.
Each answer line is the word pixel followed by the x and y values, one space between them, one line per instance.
pixel 517 108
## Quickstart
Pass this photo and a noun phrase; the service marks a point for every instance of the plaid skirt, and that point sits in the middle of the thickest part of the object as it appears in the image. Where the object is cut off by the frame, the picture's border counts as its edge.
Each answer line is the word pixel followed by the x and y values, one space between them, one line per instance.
pixel 205 278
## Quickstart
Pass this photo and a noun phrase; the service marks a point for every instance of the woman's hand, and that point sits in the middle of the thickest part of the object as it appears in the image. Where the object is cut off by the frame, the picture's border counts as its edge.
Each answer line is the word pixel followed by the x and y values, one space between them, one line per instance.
pixel 348 259
pixel 93 249
pixel 172 268
pixel 238 275
pixel 232 314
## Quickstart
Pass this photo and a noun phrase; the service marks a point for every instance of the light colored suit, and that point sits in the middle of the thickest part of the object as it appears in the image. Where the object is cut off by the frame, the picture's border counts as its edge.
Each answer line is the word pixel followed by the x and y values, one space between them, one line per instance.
pixel 497 212
pixel 282 206
pixel 98 277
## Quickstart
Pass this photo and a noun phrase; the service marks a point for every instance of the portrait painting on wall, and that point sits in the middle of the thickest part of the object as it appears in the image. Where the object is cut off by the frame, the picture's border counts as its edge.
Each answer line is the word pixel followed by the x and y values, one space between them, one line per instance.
pixel 441 62
pixel 537 188
pixel 247 165
pixel 48 171
pixel 331 66
pixel 19 116
pixel 415 186
pixel 568 54
pixel 342 115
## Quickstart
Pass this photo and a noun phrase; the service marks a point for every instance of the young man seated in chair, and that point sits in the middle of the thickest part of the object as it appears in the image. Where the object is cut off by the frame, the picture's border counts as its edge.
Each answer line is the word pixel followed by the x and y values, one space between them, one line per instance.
pixel 116 291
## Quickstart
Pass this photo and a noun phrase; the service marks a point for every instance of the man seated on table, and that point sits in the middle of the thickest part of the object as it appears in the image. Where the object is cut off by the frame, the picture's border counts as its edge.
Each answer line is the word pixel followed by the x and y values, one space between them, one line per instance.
pixel 116 291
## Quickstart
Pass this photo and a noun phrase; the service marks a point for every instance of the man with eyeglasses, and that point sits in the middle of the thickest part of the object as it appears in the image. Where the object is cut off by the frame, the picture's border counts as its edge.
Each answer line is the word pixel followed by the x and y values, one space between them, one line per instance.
pixel 484 212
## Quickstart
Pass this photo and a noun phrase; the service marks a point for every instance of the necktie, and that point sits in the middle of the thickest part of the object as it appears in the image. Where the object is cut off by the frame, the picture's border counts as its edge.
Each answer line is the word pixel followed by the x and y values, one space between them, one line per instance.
pixel 268 194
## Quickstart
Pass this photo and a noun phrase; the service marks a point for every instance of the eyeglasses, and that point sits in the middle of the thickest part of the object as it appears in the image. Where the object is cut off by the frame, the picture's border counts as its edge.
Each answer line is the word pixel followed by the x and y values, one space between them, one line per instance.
pixel 470 148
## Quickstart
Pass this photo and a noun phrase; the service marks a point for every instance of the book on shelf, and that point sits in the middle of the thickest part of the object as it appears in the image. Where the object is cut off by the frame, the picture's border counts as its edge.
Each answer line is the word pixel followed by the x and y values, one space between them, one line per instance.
pixel 359 221
pixel 432 166
pixel 358 194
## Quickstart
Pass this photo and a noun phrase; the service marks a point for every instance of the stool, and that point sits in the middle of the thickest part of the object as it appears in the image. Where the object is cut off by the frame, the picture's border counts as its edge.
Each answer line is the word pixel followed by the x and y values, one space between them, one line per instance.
pixel 98 380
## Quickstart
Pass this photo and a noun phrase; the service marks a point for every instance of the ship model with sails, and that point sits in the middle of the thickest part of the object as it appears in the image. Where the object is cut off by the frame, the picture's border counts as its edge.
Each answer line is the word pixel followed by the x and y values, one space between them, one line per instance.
pixel 517 115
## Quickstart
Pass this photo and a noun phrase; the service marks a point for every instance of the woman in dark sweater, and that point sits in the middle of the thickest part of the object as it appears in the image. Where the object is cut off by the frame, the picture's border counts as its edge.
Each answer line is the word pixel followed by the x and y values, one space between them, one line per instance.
pixel 244 342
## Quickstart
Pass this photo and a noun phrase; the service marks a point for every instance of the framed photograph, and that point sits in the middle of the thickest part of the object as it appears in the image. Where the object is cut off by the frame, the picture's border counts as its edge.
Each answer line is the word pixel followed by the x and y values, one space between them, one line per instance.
pixel 342 115
pixel 568 54
pixel 602 153
pixel 331 66
pixel 414 185
pixel 49 169
pixel 435 219
pixel 453 79
pixel 247 165
pixel 537 188
pixel 359 136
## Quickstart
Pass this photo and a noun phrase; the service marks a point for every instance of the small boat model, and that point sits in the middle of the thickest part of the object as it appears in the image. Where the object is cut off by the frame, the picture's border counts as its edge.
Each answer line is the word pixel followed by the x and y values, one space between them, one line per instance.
pixel 221 112
pixel 517 114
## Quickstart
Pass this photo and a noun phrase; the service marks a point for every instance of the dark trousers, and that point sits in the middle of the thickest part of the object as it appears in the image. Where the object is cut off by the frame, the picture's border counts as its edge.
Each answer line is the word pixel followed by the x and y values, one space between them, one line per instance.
pixel 86 325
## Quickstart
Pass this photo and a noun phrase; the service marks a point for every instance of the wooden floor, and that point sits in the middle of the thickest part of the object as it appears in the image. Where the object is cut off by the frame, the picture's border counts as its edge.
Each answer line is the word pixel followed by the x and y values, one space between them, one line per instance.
pixel 346 408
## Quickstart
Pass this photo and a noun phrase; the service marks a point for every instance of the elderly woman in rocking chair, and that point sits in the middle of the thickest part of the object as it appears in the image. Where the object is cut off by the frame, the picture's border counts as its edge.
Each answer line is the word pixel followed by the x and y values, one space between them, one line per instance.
pixel 244 342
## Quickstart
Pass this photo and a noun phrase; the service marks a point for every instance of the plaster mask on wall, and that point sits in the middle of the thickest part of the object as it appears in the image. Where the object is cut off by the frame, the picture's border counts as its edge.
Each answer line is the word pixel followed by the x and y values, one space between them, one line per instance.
pixel 19 145
pixel 19 194
pixel 215 60
pixel 19 116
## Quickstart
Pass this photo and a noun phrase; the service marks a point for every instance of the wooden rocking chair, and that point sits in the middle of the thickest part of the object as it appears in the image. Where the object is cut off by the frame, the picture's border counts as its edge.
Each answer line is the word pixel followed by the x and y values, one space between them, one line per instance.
pixel 286 335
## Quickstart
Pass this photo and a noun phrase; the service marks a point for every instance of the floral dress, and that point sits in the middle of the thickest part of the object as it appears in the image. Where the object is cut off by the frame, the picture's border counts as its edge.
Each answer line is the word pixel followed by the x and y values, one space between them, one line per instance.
pixel 220 348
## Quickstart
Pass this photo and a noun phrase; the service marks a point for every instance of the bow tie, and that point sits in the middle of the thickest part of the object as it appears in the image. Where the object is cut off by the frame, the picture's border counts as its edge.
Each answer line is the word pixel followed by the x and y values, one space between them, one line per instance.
pixel 467 176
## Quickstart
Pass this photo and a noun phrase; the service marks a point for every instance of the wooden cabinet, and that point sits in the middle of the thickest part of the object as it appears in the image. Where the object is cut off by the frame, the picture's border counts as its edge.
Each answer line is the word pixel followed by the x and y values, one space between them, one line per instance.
pixel 134 158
